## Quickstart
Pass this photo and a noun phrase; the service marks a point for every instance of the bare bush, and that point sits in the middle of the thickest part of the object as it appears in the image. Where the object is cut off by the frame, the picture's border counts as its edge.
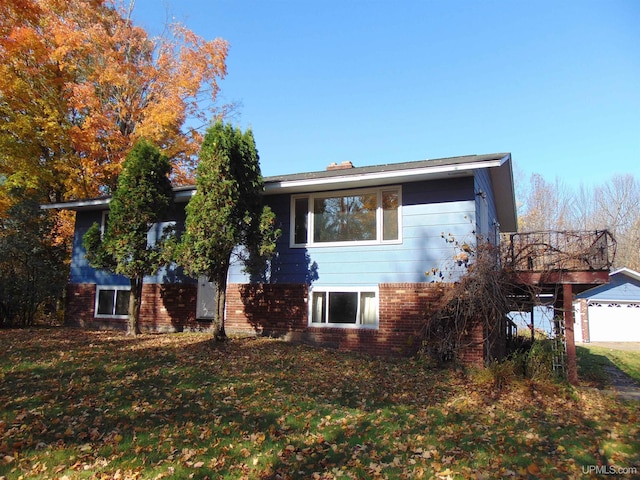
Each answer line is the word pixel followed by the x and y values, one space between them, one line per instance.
pixel 479 300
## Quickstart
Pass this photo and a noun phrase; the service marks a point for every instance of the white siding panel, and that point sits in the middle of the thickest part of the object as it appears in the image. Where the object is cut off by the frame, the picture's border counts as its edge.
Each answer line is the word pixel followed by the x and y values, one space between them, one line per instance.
pixel 577 322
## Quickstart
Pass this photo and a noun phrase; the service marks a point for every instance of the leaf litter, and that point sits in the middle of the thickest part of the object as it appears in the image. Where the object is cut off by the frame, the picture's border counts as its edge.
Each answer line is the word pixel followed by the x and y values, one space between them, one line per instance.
pixel 100 405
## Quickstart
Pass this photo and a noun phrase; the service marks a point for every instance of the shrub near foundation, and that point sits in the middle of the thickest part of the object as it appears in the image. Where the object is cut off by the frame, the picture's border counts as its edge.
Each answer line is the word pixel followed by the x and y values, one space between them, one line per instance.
pixel 534 363
pixel 539 361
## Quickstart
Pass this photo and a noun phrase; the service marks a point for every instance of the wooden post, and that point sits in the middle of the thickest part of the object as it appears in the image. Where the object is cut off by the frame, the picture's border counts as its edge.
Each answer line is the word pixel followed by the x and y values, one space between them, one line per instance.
pixel 572 363
pixel 532 327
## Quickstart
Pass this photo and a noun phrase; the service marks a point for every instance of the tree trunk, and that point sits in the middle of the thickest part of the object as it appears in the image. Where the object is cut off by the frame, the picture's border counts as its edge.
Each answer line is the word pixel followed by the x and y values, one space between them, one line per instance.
pixel 220 281
pixel 218 323
pixel 135 299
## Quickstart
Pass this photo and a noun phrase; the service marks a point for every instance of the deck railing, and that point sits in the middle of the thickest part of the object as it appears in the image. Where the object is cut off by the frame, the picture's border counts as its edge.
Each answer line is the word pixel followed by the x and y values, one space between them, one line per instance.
pixel 558 250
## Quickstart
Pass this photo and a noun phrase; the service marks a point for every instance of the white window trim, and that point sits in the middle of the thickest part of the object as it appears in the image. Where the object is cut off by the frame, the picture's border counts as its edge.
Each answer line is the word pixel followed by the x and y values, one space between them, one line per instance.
pixel 359 290
pixel 99 288
pixel 103 223
pixel 379 217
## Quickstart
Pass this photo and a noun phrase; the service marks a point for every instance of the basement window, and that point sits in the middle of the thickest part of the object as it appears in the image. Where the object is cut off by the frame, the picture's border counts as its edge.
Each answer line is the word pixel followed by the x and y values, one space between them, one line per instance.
pixel 112 302
pixel 344 307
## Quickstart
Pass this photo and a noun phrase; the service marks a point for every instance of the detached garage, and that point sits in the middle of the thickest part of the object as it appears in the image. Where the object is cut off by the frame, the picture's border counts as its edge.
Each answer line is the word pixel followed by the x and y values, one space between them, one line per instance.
pixel 611 312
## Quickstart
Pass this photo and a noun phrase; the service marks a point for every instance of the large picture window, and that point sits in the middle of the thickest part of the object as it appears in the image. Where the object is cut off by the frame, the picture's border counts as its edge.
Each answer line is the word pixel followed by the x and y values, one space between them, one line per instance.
pixel 112 302
pixel 359 216
pixel 344 307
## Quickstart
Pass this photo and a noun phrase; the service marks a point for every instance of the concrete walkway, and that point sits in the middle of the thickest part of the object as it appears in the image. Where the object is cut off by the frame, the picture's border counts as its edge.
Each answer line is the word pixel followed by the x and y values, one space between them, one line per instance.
pixel 623 384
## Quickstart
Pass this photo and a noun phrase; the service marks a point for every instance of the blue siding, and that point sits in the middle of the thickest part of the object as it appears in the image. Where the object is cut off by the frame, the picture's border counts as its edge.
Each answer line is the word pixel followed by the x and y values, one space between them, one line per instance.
pixel 483 183
pixel 82 272
pixel 430 211
pixel 621 288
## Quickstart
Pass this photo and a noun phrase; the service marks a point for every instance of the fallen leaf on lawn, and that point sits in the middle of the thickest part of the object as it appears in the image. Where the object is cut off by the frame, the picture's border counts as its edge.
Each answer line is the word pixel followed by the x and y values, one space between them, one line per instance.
pixel 445 474
pixel 533 469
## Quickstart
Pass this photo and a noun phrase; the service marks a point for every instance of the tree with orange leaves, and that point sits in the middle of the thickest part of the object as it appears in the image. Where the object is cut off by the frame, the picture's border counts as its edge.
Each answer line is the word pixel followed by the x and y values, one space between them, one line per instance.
pixel 80 83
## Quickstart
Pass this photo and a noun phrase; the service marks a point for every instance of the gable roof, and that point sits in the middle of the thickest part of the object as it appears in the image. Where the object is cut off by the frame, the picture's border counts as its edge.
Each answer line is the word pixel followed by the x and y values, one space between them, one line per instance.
pixel 498 165
pixel 627 272
pixel 624 285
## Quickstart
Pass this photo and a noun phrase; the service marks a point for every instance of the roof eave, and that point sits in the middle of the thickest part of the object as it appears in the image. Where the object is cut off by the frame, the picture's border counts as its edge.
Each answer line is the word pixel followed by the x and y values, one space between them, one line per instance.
pixel 626 271
pixel 77 205
pixel 502 182
pixel 498 165
pixel 180 195
pixel 385 177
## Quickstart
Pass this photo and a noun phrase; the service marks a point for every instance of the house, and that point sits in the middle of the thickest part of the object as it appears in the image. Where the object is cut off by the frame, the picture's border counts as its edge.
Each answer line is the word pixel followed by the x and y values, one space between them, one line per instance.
pixel 611 312
pixel 350 266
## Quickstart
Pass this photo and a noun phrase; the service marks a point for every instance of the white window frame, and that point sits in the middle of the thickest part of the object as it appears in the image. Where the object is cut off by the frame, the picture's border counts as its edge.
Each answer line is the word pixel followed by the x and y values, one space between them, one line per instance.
pixel 359 290
pixel 311 197
pixel 103 223
pixel 115 289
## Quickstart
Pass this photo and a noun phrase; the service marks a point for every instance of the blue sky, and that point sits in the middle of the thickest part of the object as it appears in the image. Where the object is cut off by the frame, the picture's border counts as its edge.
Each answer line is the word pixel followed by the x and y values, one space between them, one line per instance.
pixel 556 83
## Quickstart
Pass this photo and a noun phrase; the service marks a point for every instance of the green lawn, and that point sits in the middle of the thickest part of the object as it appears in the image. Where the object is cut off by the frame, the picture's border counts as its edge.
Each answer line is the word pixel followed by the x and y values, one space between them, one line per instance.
pixel 592 360
pixel 80 404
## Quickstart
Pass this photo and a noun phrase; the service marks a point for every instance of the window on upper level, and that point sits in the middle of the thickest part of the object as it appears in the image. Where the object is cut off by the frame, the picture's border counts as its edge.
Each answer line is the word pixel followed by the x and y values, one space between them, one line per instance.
pixel 368 216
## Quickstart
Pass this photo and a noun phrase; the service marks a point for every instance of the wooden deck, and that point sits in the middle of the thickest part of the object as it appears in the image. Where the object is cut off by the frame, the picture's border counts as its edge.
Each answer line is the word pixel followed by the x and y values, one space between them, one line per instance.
pixel 558 251
pixel 561 263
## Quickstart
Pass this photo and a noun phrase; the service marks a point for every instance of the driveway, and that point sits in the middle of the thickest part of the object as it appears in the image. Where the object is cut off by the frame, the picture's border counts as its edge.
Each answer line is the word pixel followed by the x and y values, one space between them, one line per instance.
pixel 623 385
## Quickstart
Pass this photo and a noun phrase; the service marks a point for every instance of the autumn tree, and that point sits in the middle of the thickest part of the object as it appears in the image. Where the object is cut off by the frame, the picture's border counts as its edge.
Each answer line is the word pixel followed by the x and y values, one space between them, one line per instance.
pixel 226 219
pixel 141 200
pixel 32 267
pixel 80 83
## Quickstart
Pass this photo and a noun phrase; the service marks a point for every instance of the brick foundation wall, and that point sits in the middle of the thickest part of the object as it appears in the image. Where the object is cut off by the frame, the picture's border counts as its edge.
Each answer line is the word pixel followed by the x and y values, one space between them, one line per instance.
pixel 164 308
pixel 170 308
pixel 401 316
pixel 474 350
pixel 81 300
pixel 402 310
pixel 280 310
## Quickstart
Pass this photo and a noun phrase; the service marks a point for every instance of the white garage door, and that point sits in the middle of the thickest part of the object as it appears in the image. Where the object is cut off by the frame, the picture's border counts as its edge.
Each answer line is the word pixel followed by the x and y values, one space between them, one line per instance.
pixel 614 322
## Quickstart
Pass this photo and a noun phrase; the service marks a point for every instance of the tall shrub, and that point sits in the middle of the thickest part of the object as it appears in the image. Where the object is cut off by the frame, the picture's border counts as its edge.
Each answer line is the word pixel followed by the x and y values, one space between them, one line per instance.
pixel 142 198
pixel 226 218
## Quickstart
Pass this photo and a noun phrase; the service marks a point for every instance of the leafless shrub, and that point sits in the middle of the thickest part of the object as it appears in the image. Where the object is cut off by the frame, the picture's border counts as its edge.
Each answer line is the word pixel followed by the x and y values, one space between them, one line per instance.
pixel 479 300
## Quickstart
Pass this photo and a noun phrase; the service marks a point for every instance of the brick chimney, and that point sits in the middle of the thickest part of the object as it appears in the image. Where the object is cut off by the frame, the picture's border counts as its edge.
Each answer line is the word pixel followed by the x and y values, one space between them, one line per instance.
pixel 342 166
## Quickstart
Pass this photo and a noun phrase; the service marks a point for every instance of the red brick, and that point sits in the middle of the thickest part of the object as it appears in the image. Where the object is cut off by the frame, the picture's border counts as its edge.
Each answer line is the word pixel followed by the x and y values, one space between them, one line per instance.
pixel 280 310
